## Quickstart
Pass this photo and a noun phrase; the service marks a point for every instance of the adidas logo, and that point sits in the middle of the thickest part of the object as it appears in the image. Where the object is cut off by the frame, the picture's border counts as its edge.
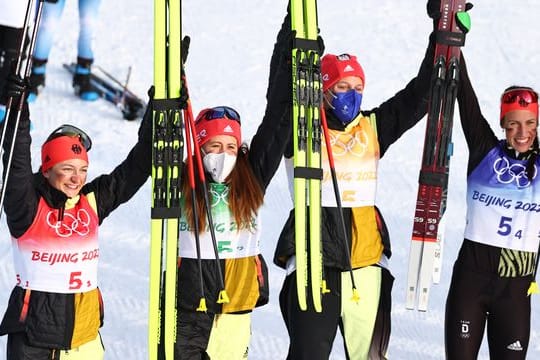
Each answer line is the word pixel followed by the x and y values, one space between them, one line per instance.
pixel 515 346
pixel 348 68
pixel 228 129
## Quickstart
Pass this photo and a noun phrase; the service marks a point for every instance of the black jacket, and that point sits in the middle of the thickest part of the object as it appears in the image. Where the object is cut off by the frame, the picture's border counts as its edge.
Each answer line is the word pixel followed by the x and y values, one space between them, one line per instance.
pixel 50 319
pixel 481 140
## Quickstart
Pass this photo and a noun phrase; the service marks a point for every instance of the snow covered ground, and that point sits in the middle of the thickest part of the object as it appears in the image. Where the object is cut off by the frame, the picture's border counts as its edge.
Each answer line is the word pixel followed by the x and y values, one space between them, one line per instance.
pixel 228 64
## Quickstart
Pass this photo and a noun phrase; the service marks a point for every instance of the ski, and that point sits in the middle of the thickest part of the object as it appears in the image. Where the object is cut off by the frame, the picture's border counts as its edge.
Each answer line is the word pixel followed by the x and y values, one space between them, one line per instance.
pixel 307 97
pixel 113 91
pixel 19 68
pixel 167 154
pixel 427 234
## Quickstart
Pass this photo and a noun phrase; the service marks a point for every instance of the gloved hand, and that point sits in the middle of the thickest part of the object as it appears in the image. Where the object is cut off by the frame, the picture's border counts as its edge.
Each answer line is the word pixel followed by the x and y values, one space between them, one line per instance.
pixel 145 129
pixel 433 9
pixel 184 46
pixel 16 87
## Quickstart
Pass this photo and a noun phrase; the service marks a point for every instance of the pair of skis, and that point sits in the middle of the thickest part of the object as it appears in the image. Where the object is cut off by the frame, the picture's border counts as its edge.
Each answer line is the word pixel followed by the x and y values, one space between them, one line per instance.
pixel 171 116
pixel 167 154
pixel 114 91
pixel 306 105
pixel 10 104
pixel 428 229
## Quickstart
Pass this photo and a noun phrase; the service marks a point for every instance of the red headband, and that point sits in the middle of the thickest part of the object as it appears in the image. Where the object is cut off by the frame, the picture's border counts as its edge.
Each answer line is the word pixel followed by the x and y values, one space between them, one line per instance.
pixel 206 129
pixel 61 149
pixel 336 67
pixel 506 108
pixel 519 98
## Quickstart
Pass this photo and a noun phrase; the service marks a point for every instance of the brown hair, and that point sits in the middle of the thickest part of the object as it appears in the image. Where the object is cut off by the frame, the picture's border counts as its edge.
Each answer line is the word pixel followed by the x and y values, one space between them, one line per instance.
pixel 245 194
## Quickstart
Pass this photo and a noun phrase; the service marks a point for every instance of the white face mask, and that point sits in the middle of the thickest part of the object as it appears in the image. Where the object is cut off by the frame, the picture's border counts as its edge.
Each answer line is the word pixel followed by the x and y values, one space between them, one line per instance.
pixel 219 165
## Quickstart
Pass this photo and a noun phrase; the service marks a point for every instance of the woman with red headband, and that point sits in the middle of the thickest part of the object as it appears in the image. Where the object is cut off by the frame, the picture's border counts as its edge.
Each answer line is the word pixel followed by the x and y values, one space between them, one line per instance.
pixel 213 302
pixel 494 273
pixel 358 138
pixel 55 309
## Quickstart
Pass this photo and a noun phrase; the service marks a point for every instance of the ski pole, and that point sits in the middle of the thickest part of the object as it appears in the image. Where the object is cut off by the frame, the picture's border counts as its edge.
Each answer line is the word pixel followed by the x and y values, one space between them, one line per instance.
pixel 355 296
pixel 222 297
pixel 9 104
pixel 124 88
pixel 191 177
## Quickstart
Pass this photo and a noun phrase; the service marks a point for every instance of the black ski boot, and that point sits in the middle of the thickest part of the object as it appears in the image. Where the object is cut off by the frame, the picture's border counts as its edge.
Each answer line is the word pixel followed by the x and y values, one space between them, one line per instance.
pixel 81 80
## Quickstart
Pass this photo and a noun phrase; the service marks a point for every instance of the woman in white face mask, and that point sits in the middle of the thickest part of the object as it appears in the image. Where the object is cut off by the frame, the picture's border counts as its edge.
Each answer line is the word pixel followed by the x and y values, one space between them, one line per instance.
pixel 235 179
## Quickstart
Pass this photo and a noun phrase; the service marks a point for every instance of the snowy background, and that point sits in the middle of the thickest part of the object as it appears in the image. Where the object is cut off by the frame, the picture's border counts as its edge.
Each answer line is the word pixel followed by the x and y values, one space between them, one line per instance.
pixel 228 62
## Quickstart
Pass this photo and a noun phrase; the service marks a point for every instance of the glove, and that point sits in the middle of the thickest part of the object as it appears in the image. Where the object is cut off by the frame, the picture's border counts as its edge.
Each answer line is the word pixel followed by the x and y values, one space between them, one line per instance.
pixel 16 87
pixel 184 46
pixel 433 9
pixel 145 129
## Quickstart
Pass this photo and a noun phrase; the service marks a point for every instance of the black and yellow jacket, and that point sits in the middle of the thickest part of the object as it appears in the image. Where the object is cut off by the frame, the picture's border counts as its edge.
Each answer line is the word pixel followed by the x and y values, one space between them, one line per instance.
pixel 246 277
pixel 392 118
pixel 58 320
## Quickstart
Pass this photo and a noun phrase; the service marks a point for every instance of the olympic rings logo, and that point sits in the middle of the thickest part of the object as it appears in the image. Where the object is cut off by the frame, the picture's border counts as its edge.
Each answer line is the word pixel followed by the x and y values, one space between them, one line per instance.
pixel 79 225
pixel 508 173
pixel 356 144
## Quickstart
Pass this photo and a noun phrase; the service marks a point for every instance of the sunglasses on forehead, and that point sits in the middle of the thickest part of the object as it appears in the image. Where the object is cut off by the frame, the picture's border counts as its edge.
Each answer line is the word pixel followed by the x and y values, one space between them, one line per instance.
pixel 72 131
pixel 219 112
pixel 522 96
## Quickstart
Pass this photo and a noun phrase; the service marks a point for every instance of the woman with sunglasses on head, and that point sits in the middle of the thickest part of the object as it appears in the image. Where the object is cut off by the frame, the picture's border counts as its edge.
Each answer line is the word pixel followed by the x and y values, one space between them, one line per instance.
pixel 236 179
pixel 496 264
pixel 55 309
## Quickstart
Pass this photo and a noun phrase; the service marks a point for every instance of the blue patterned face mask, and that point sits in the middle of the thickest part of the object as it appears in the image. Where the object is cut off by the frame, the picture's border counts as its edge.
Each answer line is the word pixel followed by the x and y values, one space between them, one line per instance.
pixel 346 105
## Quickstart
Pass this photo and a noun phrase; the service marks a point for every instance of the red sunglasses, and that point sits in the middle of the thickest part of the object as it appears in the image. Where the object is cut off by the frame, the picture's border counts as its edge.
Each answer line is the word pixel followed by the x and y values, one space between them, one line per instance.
pixel 524 97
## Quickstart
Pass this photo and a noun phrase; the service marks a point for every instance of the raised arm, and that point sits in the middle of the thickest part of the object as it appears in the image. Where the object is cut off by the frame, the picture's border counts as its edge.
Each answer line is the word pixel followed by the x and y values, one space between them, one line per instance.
pixel 123 182
pixel 21 199
pixel 478 134
pixel 402 111
pixel 274 133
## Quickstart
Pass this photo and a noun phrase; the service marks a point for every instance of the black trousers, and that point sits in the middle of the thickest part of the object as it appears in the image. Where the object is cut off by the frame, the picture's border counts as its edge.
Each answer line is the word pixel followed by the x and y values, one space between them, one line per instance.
pixel 18 348
pixel 476 300
pixel 312 334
